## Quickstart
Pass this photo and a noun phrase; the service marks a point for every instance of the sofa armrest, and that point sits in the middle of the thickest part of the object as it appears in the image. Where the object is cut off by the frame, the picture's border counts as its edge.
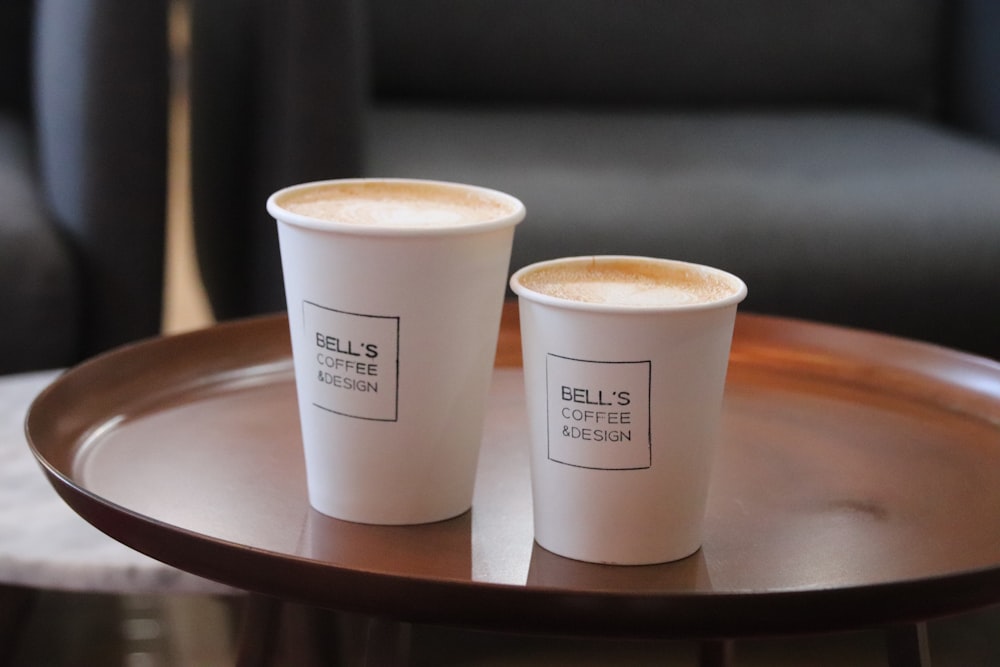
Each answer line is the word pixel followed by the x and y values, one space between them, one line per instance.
pixel 101 97
pixel 976 93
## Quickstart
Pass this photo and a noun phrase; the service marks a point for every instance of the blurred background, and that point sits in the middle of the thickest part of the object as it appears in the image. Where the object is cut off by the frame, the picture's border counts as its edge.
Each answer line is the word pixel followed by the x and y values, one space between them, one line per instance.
pixel 185 304
pixel 949 255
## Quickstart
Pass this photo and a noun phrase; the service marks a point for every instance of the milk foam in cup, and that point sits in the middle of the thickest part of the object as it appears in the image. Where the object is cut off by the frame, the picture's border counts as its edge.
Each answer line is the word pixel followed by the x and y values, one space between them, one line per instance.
pixel 625 361
pixel 394 290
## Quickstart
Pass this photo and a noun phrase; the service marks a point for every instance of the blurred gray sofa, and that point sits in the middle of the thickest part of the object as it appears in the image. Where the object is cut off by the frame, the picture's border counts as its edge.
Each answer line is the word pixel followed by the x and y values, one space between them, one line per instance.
pixel 83 169
pixel 842 157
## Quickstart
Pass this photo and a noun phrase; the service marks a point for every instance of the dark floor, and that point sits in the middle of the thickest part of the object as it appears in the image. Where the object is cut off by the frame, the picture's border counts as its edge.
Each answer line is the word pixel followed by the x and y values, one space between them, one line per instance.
pixel 77 630
pixel 83 630
pixel 971 640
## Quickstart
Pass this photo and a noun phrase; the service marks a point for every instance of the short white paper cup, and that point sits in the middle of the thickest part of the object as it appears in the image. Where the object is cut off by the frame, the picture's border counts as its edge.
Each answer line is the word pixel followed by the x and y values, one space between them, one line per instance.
pixel 394 331
pixel 623 403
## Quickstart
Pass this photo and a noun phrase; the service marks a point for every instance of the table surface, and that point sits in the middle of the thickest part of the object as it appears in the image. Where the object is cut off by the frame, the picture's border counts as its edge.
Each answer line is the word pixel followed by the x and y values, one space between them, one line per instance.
pixel 45 544
pixel 857 484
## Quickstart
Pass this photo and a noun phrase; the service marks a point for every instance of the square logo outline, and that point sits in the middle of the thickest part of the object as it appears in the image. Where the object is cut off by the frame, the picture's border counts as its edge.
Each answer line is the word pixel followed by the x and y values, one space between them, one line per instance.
pixel 395 416
pixel 649 408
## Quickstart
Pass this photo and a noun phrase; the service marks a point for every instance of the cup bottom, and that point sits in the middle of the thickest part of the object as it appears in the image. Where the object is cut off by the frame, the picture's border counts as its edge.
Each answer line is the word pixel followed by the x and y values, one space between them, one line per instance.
pixel 619 556
pixel 382 518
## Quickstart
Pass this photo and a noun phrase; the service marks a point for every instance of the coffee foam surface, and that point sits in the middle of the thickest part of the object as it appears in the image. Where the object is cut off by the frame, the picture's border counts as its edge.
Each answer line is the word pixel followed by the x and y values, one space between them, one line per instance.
pixel 395 204
pixel 628 282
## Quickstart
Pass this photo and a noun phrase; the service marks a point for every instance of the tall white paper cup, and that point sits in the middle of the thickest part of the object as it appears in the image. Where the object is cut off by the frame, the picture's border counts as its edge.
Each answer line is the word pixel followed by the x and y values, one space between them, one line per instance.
pixel 624 385
pixel 394 303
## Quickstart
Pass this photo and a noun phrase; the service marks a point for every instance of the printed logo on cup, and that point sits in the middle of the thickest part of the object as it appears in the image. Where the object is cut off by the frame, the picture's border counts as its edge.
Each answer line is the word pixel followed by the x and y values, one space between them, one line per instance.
pixel 356 360
pixel 598 413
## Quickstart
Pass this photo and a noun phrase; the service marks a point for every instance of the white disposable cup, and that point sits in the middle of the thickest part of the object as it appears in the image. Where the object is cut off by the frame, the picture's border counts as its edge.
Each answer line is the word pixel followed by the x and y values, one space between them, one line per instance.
pixel 394 331
pixel 623 404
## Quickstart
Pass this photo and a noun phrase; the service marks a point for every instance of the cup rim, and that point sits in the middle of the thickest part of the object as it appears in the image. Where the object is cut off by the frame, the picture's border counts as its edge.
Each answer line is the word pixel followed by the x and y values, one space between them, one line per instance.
pixel 283 215
pixel 738 295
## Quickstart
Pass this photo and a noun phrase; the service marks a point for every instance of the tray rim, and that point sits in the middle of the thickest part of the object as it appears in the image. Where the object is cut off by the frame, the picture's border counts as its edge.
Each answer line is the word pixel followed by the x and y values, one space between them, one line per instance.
pixel 679 614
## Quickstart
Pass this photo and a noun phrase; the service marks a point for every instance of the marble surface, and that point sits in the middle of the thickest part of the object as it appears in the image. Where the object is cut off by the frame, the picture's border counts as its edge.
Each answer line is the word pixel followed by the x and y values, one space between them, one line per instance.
pixel 44 543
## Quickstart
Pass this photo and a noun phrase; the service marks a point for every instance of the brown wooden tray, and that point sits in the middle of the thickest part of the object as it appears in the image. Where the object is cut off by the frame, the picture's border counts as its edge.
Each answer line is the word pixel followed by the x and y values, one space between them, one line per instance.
pixel 858 484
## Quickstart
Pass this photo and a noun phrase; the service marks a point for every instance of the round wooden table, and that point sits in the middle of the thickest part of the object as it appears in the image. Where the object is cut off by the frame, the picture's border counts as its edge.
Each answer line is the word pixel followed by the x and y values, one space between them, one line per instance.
pixel 857 485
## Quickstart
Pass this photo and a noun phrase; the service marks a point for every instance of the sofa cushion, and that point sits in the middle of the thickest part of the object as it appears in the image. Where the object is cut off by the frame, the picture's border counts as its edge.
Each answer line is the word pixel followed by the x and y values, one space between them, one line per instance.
pixel 39 299
pixel 870 220
pixel 671 52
